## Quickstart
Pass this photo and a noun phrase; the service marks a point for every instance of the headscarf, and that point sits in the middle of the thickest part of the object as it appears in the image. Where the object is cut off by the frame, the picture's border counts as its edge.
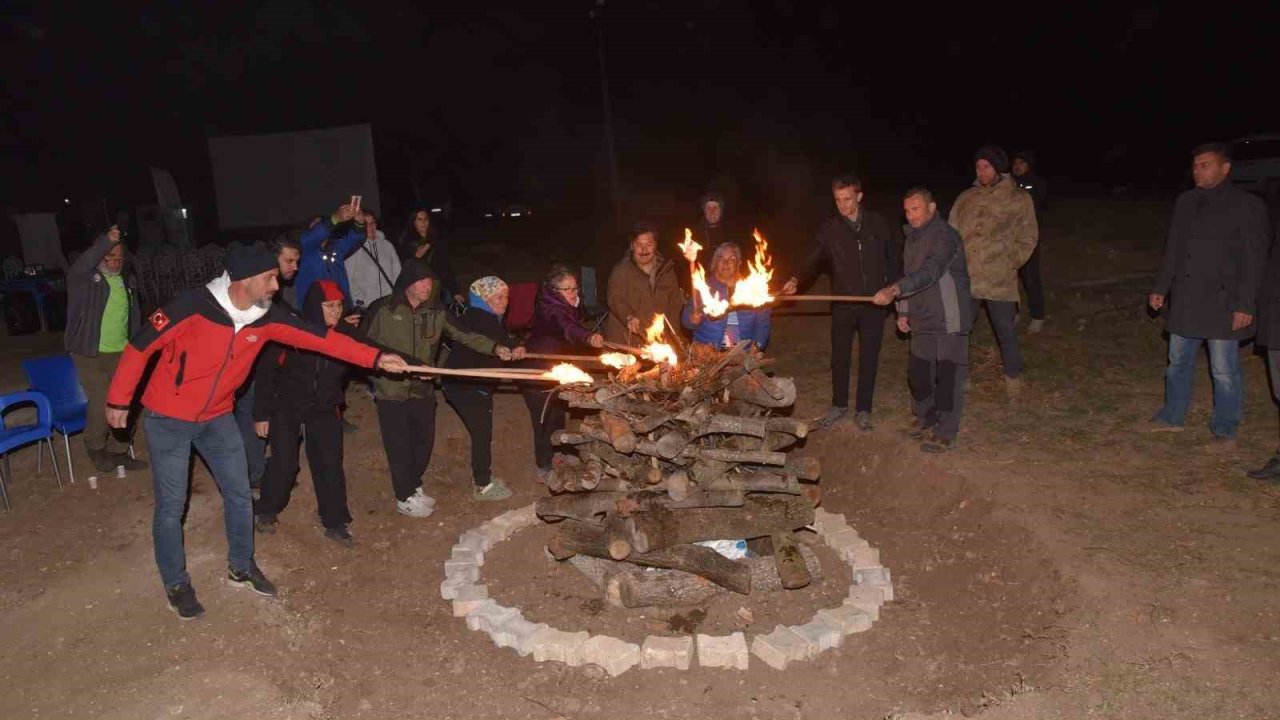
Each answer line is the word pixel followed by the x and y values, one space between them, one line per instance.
pixel 483 289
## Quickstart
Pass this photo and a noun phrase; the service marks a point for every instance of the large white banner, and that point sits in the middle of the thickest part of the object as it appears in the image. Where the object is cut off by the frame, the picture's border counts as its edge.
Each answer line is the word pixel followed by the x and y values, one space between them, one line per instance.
pixel 41 242
pixel 286 178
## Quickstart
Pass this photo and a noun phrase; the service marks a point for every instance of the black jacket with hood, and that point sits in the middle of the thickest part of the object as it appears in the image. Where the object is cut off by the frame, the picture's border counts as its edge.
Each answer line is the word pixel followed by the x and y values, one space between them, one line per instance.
pixel 300 381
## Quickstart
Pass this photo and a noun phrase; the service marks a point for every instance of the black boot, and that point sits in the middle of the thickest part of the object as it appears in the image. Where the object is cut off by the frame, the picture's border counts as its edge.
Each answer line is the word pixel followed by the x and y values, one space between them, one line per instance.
pixel 1269 472
pixel 101 460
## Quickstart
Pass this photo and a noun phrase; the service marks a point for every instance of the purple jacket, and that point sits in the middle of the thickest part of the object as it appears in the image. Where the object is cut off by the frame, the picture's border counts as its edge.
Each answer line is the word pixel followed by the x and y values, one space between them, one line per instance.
pixel 557 325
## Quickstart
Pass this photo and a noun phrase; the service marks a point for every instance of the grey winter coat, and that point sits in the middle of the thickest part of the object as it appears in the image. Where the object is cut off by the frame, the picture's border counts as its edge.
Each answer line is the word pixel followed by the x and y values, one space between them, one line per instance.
pixel 1213 262
pixel 87 294
pixel 934 292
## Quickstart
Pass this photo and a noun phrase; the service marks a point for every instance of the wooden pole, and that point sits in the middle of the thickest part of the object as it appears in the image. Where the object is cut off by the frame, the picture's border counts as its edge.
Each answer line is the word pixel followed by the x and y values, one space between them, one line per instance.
pixel 488 374
pixel 563 358
pixel 624 348
pixel 824 298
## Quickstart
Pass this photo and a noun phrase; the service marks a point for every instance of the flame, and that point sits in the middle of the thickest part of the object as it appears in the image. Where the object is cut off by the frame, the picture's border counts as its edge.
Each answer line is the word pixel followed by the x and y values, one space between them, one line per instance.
pixel 753 290
pixel 568 374
pixel 689 247
pixel 712 304
pixel 656 350
pixel 618 360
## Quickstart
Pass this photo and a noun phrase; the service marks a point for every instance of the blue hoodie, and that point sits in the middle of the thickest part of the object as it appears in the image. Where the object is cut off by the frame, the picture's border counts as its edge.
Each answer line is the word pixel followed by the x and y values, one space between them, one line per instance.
pixel 320 263
pixel 753 324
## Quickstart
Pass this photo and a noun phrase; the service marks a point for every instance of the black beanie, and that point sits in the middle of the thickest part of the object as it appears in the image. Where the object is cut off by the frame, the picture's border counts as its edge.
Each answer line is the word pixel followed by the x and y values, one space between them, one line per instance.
pixel 994 155
pixel 1027 156
pixel 245 261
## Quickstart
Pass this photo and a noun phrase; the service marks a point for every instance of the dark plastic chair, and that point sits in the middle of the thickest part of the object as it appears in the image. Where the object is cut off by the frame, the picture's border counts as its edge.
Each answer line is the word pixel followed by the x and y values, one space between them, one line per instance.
pixel 12 438
pixel 56 377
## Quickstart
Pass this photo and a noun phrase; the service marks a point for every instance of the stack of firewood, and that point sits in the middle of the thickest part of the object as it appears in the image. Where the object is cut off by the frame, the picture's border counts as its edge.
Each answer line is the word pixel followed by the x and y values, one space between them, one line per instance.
pixel 671 456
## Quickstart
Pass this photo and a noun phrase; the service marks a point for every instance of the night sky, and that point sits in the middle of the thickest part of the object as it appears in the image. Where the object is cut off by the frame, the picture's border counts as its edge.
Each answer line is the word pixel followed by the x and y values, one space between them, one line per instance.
pixel 487 102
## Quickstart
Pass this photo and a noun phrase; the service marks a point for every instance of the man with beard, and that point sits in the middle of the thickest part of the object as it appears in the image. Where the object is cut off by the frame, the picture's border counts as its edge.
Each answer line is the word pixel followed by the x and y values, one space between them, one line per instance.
pixel 102 312
pixel 207 340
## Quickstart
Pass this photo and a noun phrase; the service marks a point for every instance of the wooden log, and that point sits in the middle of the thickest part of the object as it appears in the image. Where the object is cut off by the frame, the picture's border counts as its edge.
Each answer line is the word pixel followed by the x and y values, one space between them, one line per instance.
pixel 583 507
pixel 678 485
pixel 790 426
pixel 756 482
pixel 619 432
pixel 578 539
pixel 575 478
pixel 625 585
pixel 789 563
pixel 754 457
pixel 633 469
pixel 699 519
pixel 618 534
pixel 760 389
pixel 671 444
pixel 719 424
pixel 653 421
pixel 645 501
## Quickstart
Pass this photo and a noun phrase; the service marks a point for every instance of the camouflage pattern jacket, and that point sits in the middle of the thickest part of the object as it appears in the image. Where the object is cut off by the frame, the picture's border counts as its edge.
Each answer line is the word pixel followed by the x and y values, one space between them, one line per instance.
pixel 998 226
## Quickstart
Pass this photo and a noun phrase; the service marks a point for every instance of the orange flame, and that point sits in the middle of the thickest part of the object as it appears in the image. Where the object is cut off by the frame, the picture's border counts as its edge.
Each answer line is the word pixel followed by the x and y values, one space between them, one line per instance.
pixel 753 290
pixel 656 350
pixel 618 360
pixel 568 374
pixel 712 304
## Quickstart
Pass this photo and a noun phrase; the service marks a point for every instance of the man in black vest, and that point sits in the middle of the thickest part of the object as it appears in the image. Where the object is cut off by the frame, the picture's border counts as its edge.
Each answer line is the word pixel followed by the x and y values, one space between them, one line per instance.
pixel 864 253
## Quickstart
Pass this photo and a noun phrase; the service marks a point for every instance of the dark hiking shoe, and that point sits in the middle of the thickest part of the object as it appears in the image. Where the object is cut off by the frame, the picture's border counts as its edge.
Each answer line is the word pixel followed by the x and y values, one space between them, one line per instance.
pixel 918 430
pixel 936 444
pixel 340 535
pixel 101 460
pixel 1269 472
pixel 862 421
pixel 253 579
pixel 265 524
pixel 832 416
pixel 182 600
pixel 129 463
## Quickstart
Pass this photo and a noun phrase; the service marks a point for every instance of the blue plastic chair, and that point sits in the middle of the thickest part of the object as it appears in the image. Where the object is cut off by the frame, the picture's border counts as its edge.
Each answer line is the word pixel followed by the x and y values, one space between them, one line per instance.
pixel 15 437
pixel 56 377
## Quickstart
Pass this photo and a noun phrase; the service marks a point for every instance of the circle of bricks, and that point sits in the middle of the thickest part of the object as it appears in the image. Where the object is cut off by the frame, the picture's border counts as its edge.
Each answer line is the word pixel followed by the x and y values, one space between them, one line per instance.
pixel 870 588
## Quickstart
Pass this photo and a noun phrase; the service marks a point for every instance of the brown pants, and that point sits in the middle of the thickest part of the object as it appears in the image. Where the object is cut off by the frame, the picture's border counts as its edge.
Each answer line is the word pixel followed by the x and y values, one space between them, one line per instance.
pixel 95 375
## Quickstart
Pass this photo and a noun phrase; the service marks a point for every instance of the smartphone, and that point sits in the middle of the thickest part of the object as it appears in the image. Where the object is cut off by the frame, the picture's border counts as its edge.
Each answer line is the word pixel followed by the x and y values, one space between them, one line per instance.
pixel 355 203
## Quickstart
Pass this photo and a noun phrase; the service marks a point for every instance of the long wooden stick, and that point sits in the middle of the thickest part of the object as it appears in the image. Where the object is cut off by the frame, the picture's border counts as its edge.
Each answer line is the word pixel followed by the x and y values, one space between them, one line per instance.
pixel 488 374
pixel 563 358
pixel 824 298
pixel 624 348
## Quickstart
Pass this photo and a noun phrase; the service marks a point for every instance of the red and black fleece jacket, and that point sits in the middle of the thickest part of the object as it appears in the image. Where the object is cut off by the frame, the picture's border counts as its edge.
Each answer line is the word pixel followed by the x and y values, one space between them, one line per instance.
pixel 203 360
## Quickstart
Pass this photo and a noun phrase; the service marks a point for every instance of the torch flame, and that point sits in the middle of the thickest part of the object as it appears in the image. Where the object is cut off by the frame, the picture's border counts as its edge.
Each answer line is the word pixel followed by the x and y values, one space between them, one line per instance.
pixel 567 374
pixel 618 360
pixel 712 304
pixel 656 350
pixel 753 290
pixel 689 247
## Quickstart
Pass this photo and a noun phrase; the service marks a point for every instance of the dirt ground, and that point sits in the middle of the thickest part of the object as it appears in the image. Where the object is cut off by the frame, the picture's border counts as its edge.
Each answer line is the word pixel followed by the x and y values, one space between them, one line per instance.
pixel 1057 565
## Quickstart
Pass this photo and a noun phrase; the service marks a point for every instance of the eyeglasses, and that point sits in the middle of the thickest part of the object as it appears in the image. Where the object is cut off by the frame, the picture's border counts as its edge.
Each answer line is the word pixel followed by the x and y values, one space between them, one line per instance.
pixel 573 288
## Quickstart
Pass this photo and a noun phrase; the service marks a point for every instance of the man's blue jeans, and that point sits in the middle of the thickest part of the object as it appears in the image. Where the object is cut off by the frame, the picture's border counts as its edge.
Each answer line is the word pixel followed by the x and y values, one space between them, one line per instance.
pixel 1228 383
pixel 169 442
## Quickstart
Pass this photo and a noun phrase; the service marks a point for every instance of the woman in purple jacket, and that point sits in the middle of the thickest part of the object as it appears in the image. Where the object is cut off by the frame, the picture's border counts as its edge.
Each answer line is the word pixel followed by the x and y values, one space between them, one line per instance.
pixel 557 329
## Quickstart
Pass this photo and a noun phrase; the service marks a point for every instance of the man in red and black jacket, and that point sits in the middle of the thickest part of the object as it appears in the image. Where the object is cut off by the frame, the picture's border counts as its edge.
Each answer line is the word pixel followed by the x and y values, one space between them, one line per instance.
pixel 208 340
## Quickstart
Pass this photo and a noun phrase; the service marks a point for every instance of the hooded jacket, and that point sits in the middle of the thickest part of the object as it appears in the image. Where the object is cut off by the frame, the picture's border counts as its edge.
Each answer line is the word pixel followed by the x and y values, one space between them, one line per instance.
pixel 998 227
pixel 633 293
pixel 87 293
pixel 372 270
pixel 934 293
pixel 480 322
pixel 326 261
pixel 300 380
pixel 413 333
pixel 557 325
pixel 207 347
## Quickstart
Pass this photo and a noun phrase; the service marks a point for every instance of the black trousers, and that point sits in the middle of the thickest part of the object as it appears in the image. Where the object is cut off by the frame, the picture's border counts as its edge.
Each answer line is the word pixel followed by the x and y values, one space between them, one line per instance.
pixel 324 456
pixel 936 371
pixel 1031 282
pixel 543 426
pixel 474 404
pixel 408 436
pixel 868 323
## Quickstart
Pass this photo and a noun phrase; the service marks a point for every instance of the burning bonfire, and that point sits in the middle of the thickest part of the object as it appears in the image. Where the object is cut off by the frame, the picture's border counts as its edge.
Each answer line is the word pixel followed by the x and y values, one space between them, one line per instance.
pixel 676 454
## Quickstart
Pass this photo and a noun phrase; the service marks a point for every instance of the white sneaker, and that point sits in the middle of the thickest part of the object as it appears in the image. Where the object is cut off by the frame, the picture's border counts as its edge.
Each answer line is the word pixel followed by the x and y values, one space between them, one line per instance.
pixel 1035 326
pixel 418 505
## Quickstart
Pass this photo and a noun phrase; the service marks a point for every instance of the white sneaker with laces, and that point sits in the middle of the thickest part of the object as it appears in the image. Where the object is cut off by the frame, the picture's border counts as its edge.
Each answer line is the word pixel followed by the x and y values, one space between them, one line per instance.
pixel 418 505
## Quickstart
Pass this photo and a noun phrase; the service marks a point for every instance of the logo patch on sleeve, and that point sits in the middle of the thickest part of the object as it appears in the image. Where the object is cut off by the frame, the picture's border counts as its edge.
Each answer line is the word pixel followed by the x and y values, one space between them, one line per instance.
pixel 158 320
